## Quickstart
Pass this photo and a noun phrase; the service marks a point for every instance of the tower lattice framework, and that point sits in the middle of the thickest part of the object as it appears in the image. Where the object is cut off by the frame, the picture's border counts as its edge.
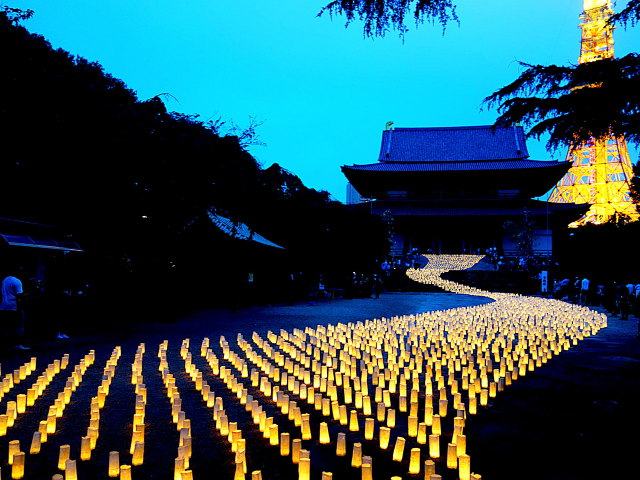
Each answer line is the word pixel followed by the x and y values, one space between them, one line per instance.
pixel 601 168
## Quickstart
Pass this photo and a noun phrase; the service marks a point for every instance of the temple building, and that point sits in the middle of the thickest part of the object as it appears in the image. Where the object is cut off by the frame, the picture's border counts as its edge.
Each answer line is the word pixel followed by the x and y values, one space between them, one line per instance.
pixel 451 190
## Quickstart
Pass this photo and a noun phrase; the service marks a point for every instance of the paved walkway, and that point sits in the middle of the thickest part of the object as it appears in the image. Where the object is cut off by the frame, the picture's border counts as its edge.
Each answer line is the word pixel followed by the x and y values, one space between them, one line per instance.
pixel 574 418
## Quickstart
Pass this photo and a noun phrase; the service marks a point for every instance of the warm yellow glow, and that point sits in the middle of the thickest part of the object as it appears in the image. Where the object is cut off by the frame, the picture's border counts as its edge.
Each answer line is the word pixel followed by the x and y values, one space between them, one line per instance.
pixel 369 428
pixel 85 448
pixel 70 470
pixel 414 461
pixel 434 446
pixel 274 436
pixel 391 418
pixel 366 471
pixel 63 456
pixel 461 445
pixel 125 472
pixel 385 436
pixel 304 468
pixel 452 456
pixel 413 426
pixel 356 456
pixel 341 445
pixel 354 425
pixel 398 449
pixel 306 427
pixel 17 469
pixel 138 454
pixel 114 464
pixel 3 425
pixel 296 446
pixel 589 4
pixel 464 467
pixel 285 444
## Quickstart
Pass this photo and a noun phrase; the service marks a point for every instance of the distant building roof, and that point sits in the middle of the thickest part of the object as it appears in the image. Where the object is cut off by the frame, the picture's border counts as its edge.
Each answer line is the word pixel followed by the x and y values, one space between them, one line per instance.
pixel 453 144
pixel 453 166
pixel 239 230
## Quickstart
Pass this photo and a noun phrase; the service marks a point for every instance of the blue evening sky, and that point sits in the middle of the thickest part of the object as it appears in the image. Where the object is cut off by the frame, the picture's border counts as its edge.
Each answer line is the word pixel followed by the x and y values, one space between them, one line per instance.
pixel 323 92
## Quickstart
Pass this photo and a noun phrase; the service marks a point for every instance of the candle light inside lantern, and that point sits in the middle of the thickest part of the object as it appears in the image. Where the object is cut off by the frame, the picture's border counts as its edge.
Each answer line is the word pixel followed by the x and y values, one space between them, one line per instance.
pixel 385 435
pixel 274 436
pixel 85 448
pixel 452 456
pixel 341 447
pixel 356 456
pixel 324 433
pixel 138 454
pixel 304 469
pixel 391 418
pixel 63 456
pixel 413 426
pixel 434 446
pixel 366 471
pixel 429 468
pixel 285 444
pixel 369 427
pixel 114 464
pixel 354 425
pixel 125 472
pixel 464 467
pixel 296 446
pixel 398 449
pixel 70 470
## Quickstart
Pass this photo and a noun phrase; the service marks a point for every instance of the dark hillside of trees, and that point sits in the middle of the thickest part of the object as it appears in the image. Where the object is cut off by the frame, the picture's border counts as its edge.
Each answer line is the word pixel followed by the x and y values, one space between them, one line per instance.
pixel 133 183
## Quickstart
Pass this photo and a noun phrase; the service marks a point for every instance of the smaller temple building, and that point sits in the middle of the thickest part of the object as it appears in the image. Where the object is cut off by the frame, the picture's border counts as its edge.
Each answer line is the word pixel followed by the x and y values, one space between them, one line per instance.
pixel 451 190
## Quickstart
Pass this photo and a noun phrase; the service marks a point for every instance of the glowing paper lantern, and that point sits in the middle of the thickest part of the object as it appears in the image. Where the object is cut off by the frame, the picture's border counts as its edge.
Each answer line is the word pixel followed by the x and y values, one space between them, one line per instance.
pixel 452 456
pixel 341 446
pixel 324 433
pixel 356 456
pixel 85 448
pixel 125 472
pixel 369 427
pixel 285 444
pixel 434 446
pixel 63 456
pixel 138 454
pixel 385 435
pixel 366 472
pixel 414 461
pixel 304 469
pixel 464 467
pixel 354 425
pixel 70 470
pixel 114 464
pixel 398 449
pixel 296 446
pixel 17 469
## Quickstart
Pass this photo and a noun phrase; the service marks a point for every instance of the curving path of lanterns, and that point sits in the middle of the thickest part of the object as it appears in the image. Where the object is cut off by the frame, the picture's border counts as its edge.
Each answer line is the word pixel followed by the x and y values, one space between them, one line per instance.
pixel 378 399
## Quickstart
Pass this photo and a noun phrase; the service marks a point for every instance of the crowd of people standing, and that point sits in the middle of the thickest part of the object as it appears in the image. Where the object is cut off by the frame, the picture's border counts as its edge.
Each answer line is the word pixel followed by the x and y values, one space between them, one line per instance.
pixel 618 298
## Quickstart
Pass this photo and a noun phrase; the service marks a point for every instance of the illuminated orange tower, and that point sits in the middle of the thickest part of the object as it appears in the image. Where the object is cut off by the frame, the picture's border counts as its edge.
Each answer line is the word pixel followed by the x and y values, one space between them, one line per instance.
pixel 601 168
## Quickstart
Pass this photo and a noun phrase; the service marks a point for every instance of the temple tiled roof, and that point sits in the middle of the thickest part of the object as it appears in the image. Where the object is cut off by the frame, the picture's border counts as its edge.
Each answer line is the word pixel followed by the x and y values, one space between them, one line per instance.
pixel 513 164
pixel 453 144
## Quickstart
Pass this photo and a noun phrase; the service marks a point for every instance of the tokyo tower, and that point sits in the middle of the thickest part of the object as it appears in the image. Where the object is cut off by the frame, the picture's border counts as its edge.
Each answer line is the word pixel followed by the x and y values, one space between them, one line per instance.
pixel 601 168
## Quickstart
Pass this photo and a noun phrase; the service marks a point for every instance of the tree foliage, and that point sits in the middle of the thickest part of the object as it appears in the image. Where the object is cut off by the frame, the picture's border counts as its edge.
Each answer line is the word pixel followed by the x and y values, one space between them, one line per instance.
pixel 381 16
pixel 575 103
pixel 630 15
pixel 134 181
pixel 554 100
